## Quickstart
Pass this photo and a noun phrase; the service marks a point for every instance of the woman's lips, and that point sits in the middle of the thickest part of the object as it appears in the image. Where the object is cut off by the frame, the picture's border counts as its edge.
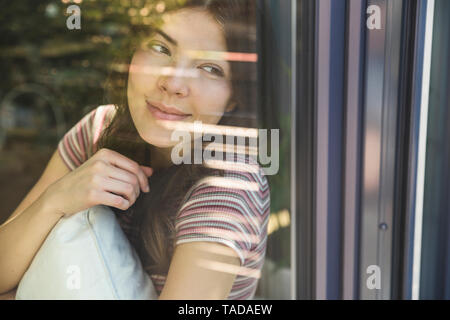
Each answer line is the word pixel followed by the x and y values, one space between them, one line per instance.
pixel 167 114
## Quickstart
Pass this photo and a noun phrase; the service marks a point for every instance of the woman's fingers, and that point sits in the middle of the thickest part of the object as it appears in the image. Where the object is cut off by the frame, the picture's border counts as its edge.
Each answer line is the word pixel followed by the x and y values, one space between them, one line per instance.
pixel 120 161
pixel 124 176
pixel 121 188
pixel 148 171
pixel 112 200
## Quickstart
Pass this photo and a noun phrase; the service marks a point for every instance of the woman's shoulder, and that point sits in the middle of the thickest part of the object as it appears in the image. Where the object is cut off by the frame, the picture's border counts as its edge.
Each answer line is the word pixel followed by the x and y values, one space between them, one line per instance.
pixel 78 144
pixel 106 111
pixel 102 115
pixel 246 169
pixel 101 118
pixel 232 207
pixel 236 173
pixel 242 182
pixel 94 122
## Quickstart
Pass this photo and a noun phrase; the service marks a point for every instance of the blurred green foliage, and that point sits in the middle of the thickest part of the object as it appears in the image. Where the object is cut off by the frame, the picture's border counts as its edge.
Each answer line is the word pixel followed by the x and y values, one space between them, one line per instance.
pixel 37 47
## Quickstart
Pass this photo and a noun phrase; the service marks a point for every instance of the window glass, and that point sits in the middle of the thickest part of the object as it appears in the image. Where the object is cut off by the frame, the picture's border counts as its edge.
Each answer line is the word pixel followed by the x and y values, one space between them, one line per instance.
pixel 177 65
pixel 435 263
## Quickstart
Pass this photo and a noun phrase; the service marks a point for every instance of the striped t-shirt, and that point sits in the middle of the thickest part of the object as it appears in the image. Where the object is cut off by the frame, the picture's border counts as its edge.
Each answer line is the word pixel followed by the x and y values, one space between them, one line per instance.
pixel 232 210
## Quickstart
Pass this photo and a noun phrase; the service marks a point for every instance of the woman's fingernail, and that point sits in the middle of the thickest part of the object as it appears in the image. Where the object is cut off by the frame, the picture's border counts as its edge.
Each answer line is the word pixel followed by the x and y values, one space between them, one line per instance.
pixel 147 189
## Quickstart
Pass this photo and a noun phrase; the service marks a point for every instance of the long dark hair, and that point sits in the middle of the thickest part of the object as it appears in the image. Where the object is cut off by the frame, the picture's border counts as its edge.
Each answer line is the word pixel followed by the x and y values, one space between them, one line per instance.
pixel 152 226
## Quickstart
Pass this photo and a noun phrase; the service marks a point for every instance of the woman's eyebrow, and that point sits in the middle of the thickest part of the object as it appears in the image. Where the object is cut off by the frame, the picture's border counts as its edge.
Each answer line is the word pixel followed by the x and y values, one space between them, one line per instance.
pixel 166 36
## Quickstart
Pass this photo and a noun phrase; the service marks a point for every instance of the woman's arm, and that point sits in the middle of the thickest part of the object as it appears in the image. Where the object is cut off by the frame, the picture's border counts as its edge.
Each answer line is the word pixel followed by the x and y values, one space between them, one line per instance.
pixel 11 295
pixel 31 218
pixel 107 178
pixel 201 271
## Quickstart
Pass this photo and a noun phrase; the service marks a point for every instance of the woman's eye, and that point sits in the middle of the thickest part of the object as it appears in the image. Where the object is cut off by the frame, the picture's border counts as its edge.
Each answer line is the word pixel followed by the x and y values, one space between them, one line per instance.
pixel 161 49
pixel 158 47
pixel 213 70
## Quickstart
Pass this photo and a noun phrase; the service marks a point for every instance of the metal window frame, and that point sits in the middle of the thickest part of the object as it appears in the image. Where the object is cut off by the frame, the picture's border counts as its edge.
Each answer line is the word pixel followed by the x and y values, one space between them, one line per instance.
pixel 433 263
pixel 302 148
pixel 379 148
pixel 356 26
pixel 347 224
pixel 329 146
pixel 425 34
pixel 413 106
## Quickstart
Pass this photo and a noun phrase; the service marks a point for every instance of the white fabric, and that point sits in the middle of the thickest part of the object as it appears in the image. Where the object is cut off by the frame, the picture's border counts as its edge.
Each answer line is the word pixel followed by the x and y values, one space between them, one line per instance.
pixel 86 256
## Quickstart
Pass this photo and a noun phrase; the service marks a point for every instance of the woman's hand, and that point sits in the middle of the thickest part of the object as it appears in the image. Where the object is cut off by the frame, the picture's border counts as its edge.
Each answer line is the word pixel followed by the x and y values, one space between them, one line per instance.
pixel 107 178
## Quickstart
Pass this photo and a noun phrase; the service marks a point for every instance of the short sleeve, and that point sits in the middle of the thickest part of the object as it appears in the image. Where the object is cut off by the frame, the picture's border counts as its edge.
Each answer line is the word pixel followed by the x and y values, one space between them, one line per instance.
pixel 78 144
pixel 232 210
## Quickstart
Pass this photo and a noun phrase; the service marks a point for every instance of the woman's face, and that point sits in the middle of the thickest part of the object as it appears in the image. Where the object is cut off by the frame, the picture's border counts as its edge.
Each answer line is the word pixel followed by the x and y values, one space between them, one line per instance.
pixel 170 82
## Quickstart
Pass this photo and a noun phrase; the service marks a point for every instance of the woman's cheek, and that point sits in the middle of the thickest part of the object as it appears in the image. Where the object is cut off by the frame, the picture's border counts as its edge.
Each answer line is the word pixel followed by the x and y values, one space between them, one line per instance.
pixel 143 72
pixel 211 112
pixel 141 81
pixel 212 100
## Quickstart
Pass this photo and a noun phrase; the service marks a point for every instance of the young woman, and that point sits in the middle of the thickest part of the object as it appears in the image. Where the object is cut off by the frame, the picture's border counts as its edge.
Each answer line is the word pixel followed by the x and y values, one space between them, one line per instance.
pixel 200 232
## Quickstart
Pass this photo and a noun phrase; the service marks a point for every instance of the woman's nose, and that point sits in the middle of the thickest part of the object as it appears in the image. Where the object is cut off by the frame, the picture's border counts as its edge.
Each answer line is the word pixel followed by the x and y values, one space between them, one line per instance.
pixel 175 84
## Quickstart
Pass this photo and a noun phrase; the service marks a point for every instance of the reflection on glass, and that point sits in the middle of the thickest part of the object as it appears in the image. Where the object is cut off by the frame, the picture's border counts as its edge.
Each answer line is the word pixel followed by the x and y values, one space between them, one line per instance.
pixel 133 74
pixel 435 251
